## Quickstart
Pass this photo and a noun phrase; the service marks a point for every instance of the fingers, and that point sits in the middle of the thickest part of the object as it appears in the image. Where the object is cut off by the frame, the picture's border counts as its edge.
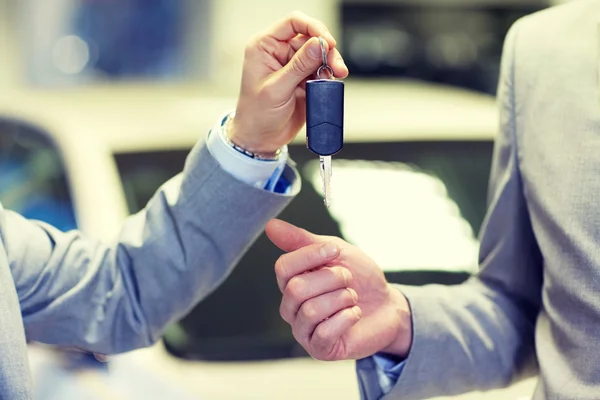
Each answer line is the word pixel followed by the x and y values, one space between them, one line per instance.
pixel 336 62
pixel 289 237
pixel 296 43
pixel 327 334
pixel 302 260
pixel 303 64
pixel 291 52
pixel 306 286
pixel 334 58
pixel 299 23
pixel 316 310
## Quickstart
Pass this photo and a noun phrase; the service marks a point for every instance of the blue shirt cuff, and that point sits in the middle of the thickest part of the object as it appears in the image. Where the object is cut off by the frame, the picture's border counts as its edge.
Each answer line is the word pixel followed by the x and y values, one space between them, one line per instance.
pixel 378 374
pixel 389 365
pixel 263 174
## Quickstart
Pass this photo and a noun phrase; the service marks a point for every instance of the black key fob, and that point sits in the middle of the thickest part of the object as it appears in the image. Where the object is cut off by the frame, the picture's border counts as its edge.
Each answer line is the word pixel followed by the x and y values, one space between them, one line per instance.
pixel 325 116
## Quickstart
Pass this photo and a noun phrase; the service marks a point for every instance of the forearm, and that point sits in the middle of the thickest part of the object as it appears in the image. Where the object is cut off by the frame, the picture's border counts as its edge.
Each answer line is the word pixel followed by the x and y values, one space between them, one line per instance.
pixel 480 334
pixel 204 231
pixel 110 299
pixel 467 337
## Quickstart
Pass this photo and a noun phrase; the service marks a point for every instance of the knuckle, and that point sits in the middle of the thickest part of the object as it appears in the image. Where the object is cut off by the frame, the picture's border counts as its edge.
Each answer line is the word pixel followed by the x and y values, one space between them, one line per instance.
pixel 340 243
pixel 280 267
pixel 266 44
pixel 344 298
pixel 341 275
pixel 326 356
pixel 295 332
pixel 299 333
pixel 250 47
pixel 248 50
pixel 309 311
pixel 320 25
pixel 296 15
pixel 283 311
pixel 349 296
pixel 346 276
pixel 320 354
pixel 296 288
pixel 254 45
pixel 321 338
pixel 299 65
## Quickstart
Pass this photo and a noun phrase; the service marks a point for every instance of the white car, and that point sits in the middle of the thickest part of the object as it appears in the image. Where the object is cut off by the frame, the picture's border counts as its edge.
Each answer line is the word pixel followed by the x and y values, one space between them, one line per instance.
pixel 413 175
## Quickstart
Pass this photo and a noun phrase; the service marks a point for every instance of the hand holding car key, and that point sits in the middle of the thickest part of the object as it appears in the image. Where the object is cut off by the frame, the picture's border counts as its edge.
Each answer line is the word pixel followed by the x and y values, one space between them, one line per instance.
pixel 325 120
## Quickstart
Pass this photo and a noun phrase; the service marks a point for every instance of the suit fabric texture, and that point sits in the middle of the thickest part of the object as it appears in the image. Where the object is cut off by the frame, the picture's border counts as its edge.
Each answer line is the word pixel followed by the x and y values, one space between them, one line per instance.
pixel 67 290
pixel 534 307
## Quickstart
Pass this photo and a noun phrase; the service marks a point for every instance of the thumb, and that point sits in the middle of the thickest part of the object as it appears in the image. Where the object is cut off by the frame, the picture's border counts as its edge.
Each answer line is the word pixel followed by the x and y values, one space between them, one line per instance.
pixel 303 64
pixel 289 237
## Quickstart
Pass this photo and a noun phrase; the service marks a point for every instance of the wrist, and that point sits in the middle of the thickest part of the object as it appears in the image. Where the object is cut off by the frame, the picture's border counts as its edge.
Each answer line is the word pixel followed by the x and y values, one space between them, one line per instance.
pixel 239 134
pixel 402 342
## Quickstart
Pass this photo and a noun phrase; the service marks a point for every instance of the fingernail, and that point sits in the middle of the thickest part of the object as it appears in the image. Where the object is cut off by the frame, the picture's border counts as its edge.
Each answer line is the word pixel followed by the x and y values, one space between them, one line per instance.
pixel 357 311
pixel 314 49
pixel 353 294
pixel 329 250
pixel 347 276
pixel 340 63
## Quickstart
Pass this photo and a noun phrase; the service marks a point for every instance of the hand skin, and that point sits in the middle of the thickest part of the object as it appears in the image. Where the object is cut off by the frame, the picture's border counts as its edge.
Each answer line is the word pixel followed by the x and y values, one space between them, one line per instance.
pixel 336 298
pixel 271 105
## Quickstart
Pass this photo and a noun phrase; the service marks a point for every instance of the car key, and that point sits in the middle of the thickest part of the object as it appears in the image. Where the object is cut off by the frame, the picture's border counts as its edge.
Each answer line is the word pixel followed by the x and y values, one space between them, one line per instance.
pixel 325 120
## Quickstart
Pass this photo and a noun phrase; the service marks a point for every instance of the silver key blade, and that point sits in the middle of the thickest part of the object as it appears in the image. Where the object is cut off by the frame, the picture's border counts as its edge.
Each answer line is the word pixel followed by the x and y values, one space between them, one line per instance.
pixel 326 177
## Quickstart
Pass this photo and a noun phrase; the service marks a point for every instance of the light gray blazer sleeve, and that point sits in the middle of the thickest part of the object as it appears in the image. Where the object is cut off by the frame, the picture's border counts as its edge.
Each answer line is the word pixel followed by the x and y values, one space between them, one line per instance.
pixel 75 291
pixel 480 335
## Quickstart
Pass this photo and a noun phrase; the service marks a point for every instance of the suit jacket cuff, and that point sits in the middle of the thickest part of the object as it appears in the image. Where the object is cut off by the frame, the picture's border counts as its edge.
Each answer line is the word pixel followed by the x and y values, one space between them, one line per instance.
pixel 428 323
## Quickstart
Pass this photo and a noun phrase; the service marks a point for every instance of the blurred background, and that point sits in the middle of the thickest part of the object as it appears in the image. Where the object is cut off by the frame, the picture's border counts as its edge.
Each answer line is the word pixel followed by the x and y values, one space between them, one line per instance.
pixel 101 100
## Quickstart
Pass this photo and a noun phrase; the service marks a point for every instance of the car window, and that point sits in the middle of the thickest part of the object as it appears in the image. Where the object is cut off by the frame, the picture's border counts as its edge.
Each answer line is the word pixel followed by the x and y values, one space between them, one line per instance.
pixel 375 189
pixel 33 179
pixel 456 43
pixel 77 42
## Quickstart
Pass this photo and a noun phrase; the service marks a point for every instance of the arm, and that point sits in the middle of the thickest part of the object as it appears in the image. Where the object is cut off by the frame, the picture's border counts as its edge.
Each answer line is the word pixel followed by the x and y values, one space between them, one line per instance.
pixel 112 298
pixel 480 335
pixel 485 328
pixel 448 340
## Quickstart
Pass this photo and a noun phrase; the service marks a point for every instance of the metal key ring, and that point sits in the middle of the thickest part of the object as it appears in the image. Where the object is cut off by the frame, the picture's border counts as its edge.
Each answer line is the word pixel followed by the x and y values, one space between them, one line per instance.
pixel 324 66
pixel 323 51
pixel 321 68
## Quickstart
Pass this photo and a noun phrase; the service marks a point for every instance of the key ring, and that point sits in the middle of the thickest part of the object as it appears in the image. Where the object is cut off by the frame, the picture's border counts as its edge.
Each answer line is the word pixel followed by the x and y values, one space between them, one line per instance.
pixel 324 66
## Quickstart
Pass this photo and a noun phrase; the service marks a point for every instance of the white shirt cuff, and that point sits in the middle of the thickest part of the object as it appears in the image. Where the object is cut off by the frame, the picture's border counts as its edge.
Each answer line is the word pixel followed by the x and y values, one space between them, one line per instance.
pixel 249 170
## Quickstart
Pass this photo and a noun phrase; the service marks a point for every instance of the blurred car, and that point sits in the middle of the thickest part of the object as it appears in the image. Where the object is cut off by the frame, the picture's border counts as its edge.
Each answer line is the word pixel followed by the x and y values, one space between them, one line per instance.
pixel 409 188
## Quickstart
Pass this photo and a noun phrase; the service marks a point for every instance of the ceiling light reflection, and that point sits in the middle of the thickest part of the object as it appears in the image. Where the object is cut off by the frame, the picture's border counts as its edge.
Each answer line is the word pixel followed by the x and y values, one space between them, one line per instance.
pixel 71 55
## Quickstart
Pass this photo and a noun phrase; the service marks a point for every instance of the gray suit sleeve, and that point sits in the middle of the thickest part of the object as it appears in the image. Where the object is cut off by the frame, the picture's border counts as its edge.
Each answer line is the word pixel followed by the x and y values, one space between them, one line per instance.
pixel 480 335
pixel 75 291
